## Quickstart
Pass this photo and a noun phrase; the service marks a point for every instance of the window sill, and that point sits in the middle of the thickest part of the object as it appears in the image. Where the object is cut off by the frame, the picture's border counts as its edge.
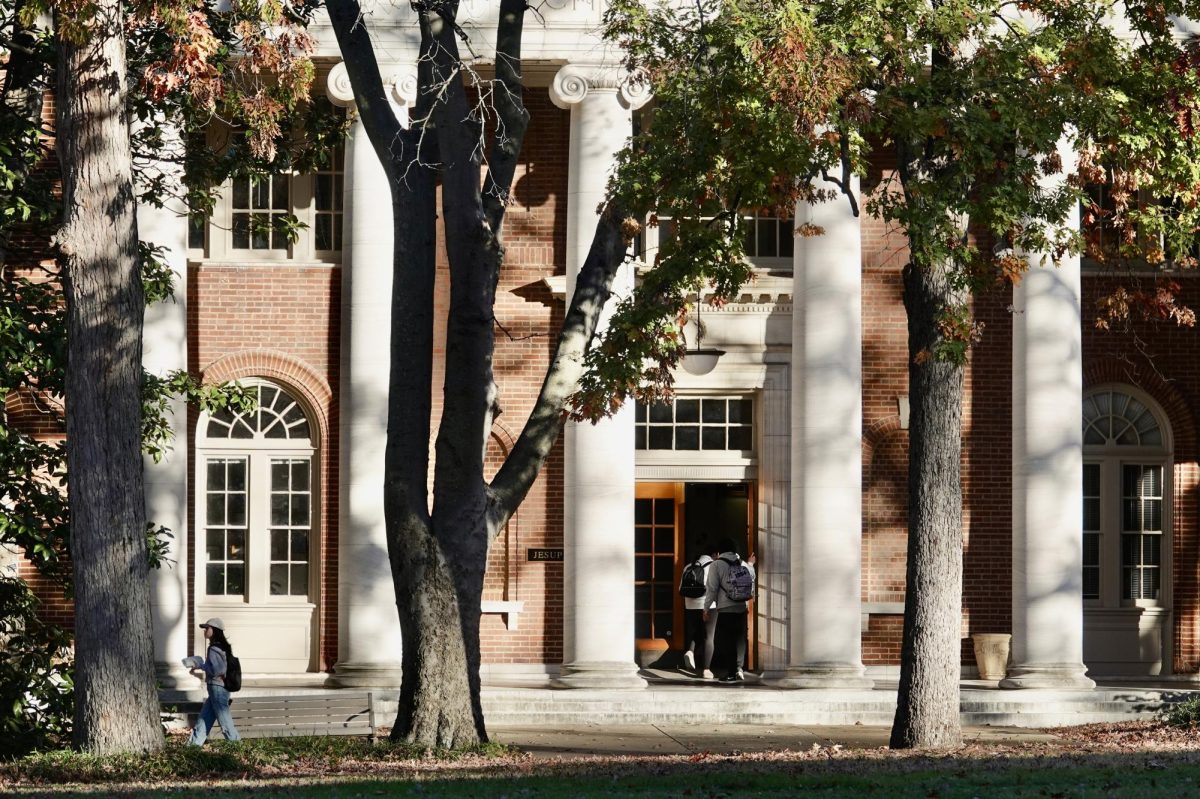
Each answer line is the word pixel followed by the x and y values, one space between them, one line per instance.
pixel 510 609
pixel 261 263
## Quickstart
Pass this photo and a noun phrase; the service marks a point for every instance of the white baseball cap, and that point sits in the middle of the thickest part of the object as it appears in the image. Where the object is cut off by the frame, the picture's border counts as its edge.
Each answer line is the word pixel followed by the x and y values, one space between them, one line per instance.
pixel 215 623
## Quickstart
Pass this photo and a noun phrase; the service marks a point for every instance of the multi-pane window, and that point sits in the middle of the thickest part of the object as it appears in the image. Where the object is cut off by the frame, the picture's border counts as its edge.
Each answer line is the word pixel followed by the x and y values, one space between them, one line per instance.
pixel 291 216
pixel 700 423
pixel 1141 531
pixel 1117 418
pixel 259 500
pixel 1124 544
pixel 1091 531
pixel 769 237
pixel 328 188
pixel 276 415
pixel 767 240
pixel 225 527
pixel 291 523
pixel 654 566
pixel 1110 241
pixel 259 208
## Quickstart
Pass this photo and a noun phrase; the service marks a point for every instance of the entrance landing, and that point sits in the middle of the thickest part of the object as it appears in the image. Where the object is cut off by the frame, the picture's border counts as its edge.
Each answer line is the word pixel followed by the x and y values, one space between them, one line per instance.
pixel 679 700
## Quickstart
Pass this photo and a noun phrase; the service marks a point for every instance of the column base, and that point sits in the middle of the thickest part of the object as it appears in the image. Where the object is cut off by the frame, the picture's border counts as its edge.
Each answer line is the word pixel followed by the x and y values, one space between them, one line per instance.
pixel 366 675
pixel 826 675
pixel 599 674
pixel 172 675
pixel 1061 676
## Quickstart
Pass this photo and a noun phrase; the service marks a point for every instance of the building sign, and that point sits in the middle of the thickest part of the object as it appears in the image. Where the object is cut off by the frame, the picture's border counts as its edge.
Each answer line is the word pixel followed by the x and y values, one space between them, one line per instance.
pixel 544 554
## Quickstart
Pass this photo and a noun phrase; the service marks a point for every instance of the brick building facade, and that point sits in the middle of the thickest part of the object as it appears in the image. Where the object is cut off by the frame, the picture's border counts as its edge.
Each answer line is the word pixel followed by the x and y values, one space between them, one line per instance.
pixel 277 518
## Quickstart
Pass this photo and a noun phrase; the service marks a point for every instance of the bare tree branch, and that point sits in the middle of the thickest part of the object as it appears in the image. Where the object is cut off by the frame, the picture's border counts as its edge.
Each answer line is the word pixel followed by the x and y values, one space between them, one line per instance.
pixel 512 118
pixel 592 290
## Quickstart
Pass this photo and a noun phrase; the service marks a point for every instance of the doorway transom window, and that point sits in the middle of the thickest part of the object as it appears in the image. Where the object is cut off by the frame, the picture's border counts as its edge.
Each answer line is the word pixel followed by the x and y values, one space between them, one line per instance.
pixel 696 423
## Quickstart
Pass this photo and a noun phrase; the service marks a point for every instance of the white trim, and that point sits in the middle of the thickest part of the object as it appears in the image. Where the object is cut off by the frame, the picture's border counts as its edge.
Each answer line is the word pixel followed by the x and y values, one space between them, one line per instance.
pixel 510 609
pixel 1110 611
pixel 259 454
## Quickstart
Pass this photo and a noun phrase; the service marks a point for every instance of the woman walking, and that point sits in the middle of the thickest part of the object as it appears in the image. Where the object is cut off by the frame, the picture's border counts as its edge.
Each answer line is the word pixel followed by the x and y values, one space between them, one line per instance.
pixel 212 667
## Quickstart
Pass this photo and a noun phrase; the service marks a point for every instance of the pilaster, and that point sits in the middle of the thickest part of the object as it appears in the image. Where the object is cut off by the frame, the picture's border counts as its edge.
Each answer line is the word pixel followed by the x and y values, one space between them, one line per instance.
pixel 369 640
pixel 165 349
pixel 826 454
pixel 1047 441
pixel 598 490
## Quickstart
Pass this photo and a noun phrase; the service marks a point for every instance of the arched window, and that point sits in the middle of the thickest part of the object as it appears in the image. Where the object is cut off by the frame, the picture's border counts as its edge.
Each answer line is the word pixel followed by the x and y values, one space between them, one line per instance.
pixel 255 515
pixel 1125 505
pixel 1113 418
pixel 258 485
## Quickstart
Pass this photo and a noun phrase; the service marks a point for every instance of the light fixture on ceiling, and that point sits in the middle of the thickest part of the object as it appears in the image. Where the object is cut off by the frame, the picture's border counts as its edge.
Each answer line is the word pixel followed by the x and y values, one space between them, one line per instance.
pixel 700 360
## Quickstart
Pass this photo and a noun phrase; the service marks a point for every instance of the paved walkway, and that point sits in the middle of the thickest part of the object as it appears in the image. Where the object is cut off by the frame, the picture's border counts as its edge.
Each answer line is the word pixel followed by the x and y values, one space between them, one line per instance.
pixel 580 740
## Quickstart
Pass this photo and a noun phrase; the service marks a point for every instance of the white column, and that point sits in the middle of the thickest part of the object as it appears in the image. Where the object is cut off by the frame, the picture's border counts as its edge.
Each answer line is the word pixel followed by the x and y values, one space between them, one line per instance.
pixel 598 480
pixel 369 643
pixel 165 349
pixel 826 441
pixel 1047 472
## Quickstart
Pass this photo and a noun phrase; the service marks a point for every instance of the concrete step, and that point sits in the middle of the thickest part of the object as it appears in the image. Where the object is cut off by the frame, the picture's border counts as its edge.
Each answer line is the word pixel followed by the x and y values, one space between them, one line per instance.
pixel 756 703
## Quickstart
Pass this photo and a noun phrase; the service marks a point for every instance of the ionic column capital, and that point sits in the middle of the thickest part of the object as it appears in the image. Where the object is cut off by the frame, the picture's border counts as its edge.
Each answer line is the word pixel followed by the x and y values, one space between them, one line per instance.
pixel 401 84
pixel 575 82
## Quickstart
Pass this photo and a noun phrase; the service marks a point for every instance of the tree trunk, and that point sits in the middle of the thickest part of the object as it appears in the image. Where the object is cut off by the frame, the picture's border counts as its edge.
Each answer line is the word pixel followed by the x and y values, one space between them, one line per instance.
pixel 435 696
pixel 116 706
pixel 927 711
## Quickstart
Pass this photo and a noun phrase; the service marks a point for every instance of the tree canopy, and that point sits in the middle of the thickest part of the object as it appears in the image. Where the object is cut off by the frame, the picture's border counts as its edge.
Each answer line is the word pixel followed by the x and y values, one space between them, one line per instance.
pixel 993 120
pixel 189 67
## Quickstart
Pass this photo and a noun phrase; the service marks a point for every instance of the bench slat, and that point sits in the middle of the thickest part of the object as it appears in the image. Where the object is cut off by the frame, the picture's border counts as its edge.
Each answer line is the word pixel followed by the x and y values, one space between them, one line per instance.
pixel 295 716
pixel 298 711
pixel 298 732
pixel 285 702
pixel 308 724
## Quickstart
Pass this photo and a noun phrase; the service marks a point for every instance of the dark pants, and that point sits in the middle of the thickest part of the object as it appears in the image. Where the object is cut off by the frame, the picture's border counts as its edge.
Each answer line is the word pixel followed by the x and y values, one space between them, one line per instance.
pixel 730 654
pixel 698 637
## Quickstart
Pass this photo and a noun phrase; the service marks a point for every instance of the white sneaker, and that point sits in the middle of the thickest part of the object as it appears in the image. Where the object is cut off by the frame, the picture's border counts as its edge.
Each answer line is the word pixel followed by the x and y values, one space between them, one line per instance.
pixel 689 661
pixel 741 675
pixel 708 675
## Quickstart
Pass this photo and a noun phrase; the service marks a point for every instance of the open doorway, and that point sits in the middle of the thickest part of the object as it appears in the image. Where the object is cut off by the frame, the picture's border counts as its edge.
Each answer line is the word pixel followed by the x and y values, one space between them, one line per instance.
pixel 675 523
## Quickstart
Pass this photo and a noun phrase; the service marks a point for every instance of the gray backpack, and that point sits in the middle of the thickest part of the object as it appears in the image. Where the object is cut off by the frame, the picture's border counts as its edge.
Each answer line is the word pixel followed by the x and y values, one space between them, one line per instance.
pixel 738 582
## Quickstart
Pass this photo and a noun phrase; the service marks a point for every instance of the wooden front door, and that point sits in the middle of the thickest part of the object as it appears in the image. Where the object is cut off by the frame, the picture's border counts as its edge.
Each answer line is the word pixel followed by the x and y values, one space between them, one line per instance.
pixel 658 527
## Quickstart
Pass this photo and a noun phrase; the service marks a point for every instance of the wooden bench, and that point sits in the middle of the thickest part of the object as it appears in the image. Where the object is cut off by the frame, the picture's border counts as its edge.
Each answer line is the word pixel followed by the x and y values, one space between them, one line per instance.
pixel 342 713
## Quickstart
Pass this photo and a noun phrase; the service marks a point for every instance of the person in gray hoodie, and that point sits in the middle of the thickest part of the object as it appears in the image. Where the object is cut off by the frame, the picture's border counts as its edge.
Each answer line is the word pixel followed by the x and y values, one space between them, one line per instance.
pixel 212 667
pixel 729 654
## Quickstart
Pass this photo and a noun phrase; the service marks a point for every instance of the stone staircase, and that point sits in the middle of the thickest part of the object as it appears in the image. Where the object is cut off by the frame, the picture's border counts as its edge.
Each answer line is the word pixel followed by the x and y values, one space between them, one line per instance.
pixel 753 704
pixel 692 702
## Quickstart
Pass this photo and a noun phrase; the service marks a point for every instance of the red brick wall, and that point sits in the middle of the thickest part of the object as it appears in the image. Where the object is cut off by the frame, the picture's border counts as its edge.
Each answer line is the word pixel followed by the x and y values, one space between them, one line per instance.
pixel 528 318
pixel 1161 360
pixel 986 458
pixel 280 322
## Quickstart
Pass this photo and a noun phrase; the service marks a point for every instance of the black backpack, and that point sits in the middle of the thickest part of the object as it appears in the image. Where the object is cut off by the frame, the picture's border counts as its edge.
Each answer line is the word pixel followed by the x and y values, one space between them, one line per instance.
pixel 233 674
pixel 692 585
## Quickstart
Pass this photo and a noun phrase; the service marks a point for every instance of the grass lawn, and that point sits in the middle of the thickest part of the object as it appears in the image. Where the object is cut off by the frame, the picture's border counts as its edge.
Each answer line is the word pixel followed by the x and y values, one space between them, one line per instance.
pixel 1139 760
pixel 953 779
pixel 1058 783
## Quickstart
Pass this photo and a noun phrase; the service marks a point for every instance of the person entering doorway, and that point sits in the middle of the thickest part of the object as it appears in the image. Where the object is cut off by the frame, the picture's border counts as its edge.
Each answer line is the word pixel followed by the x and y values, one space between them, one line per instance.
pixel 699 632
pixel 730 587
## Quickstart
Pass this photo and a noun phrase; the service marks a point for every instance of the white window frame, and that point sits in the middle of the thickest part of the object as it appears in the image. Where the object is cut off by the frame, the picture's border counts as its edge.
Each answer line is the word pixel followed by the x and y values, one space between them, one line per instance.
pixel 1112 458
pixel 259 452
pixel 716 464
pixel 651 237
pixel 218 228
